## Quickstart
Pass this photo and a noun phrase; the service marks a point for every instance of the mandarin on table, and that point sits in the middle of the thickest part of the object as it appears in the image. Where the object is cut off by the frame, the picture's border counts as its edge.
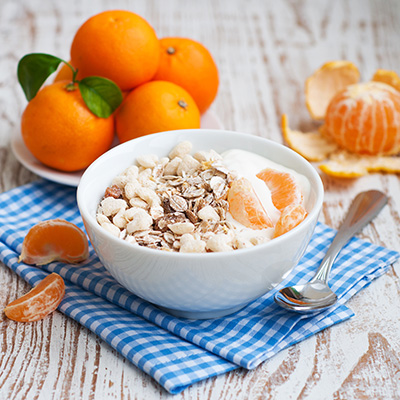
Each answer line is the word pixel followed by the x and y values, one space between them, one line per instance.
pixel 245 207
pixel 156 106
pixel 61 132
pixel 54 240
pixel 39 302
pixel 190 65
pixel 118 45
pixel 364 118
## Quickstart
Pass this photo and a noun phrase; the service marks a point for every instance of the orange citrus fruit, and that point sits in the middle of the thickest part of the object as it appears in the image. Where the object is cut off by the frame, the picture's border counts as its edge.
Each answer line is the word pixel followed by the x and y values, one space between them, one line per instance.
pixel 245 207
pixel 190 65
pixel 284 188
pixel 64 73
pixel 118 45
pixel 38 302
pixel 155 106
pixel 291 216
pixel 365 118
pixel 61 132
pixel 54 240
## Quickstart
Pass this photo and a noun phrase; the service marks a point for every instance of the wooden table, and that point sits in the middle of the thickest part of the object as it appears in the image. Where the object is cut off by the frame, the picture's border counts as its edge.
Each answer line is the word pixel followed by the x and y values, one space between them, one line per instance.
pixel 264 50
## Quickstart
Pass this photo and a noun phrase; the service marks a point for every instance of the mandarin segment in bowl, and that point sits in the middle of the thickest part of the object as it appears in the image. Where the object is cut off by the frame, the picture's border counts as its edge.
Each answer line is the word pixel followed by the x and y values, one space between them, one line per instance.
pixel 245 207
pixel 54 240
pixel 39 302
pixel 291 216
pixel 284 189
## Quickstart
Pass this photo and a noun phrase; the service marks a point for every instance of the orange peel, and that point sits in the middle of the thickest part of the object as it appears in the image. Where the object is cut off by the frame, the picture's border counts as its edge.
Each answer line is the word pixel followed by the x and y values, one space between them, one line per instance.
pixel 313 146
pixel 343 164
pixel 54 240
pixel 325 82
pixel 389 77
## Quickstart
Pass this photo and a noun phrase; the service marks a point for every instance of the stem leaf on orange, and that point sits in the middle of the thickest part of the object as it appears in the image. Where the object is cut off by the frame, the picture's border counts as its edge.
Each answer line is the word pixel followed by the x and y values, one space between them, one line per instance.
pixel 33 69
pixel 101 95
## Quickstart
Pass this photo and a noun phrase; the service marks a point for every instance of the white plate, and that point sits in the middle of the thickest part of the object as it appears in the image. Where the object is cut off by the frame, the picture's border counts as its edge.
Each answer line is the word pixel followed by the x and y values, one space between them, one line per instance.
pixel 208 121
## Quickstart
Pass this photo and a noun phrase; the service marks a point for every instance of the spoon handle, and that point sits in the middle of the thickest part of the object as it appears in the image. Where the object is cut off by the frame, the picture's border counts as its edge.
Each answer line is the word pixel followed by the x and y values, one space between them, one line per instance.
pixel 364 208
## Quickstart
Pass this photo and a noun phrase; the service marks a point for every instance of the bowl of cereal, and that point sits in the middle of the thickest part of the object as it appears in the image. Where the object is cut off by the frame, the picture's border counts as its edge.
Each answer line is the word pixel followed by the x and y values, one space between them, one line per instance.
pixel 200 222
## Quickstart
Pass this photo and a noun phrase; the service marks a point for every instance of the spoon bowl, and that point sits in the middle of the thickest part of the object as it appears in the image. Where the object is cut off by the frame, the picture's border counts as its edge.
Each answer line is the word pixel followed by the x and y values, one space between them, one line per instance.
pixel 316 295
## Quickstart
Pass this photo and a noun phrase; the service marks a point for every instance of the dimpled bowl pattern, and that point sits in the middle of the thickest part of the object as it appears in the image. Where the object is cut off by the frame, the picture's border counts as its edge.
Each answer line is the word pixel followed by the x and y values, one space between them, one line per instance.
pixel 205 285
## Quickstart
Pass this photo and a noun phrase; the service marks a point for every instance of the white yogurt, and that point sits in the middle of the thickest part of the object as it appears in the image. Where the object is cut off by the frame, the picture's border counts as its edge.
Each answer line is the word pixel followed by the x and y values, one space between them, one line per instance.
pixel 247 165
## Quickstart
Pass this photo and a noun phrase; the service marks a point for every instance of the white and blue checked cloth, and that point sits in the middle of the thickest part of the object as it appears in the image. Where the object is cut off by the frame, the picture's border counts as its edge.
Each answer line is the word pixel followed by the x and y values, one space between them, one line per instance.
pixel 179 352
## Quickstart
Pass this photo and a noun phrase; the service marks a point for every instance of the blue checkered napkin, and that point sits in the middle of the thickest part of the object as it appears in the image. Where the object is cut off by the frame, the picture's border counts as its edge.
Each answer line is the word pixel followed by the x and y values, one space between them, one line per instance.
pixel 245 339
pixel 170 360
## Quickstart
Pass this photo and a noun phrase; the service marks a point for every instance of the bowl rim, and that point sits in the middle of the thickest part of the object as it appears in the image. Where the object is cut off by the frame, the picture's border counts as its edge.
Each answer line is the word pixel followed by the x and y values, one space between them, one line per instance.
pixel 313 214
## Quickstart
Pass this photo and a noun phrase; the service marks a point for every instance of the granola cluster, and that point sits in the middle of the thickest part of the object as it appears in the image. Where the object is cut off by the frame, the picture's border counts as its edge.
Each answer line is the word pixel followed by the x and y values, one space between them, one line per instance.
pixel 174 203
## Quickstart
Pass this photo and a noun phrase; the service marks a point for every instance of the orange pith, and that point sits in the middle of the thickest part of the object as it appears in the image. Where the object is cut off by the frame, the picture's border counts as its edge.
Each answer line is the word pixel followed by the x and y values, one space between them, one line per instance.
pixel 245 207
pixel 190 65
pixel 155 106
pixel 291 216
pixel 39 302
pixel 54 240
pixel 365 119
pixel 61 132
pixel 118 45
pixel 284 188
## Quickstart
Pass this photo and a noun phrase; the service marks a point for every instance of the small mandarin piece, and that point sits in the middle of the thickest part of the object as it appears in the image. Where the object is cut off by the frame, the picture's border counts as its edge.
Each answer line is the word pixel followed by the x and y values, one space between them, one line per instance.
pixel 39 302
pixel 245 207
pixel 291 216
pixel 61 132
pixel 54 240
pixel 118 45
pixel 190 65
pixel 284 188
pixel 156 106
pixel 365 119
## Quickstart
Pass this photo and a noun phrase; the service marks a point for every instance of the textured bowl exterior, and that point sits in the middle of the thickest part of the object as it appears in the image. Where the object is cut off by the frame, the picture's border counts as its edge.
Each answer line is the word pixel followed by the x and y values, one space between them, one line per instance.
pixel 196 285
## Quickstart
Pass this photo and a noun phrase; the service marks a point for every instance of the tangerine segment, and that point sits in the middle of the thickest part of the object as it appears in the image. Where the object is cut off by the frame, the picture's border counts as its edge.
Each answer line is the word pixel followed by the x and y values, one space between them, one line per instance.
pixel 284 188
pixel 291 217
pixel 39 302
pixel 324 83
pixel 314 146
pixel 365 119
pixel 389 77
pixel 245 207
pixel 54 240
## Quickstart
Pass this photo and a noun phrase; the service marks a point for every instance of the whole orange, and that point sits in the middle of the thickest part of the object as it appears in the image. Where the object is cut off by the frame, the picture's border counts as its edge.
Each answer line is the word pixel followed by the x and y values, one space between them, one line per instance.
pixel 61 132
pixel 155 106
pixel 118 45
pixel 190 65
pixel 64 73
pixel 364 118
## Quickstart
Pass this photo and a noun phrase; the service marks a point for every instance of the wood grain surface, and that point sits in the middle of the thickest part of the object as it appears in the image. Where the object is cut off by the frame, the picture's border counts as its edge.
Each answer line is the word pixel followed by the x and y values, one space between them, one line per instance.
pixel 264 50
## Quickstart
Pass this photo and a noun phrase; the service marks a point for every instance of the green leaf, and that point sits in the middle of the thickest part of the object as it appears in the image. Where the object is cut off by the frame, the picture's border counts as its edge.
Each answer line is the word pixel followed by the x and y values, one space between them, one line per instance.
pixel 101 95
pixel 33 69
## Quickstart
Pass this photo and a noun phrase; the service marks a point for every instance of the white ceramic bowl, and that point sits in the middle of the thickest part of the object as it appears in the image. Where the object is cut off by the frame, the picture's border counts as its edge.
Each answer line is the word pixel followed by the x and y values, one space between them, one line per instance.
pixel 204 285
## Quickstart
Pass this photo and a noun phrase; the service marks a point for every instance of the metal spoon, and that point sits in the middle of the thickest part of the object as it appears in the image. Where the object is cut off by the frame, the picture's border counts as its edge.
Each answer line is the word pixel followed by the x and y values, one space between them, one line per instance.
pixel 316 296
